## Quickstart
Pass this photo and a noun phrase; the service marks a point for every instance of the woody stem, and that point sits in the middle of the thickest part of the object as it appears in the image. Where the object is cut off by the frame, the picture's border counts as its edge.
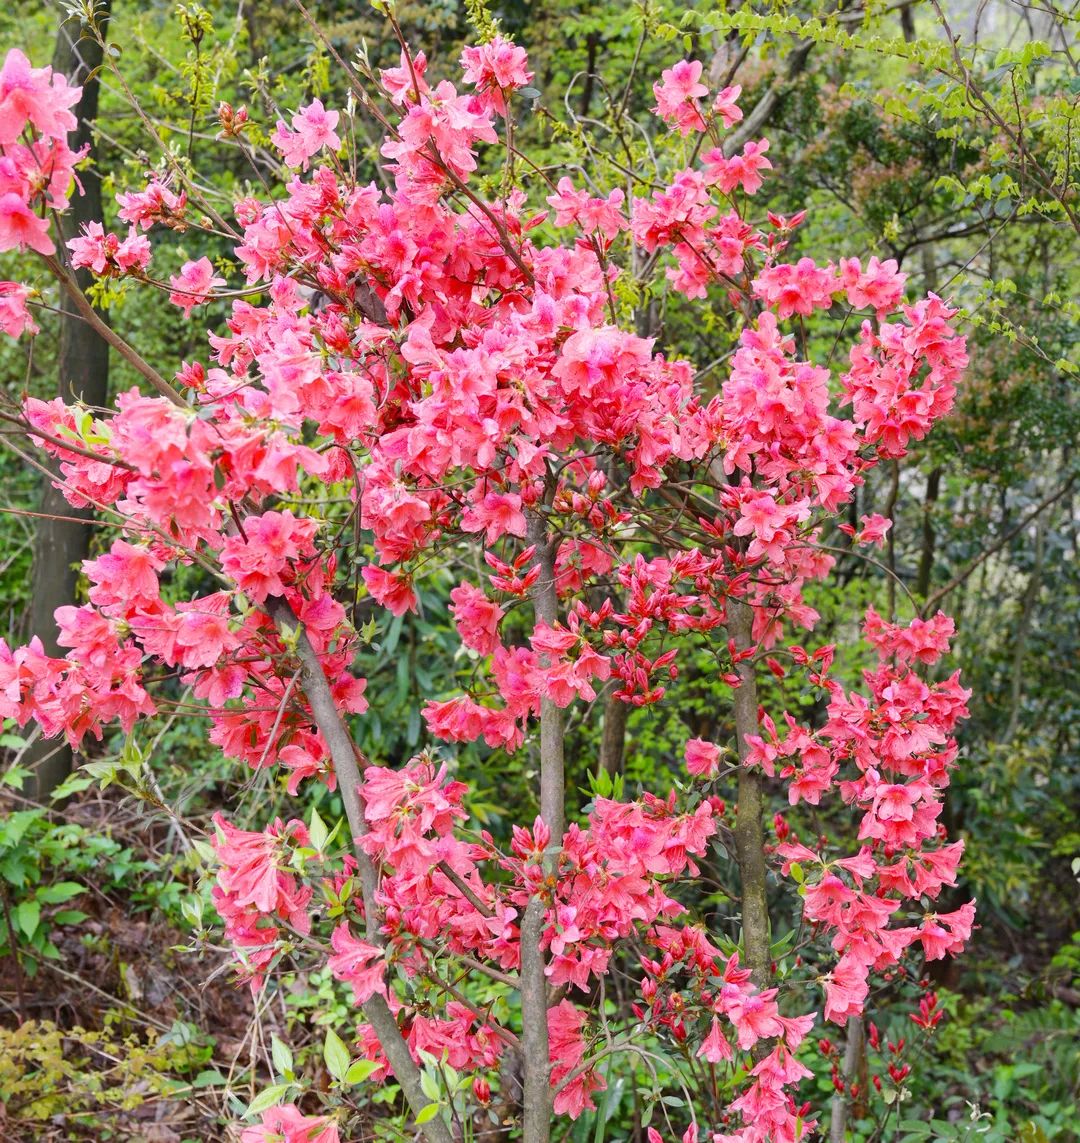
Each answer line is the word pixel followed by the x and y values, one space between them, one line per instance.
pixel 749 827
pixel 329 721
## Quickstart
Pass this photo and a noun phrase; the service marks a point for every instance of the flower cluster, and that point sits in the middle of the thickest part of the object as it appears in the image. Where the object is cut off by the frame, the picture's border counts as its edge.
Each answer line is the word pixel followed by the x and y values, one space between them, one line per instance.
pixel 37 166
pixel 469 382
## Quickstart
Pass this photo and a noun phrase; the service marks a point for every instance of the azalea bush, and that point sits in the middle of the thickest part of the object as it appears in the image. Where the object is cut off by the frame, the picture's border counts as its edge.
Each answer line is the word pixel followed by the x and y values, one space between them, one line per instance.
pixel 447 369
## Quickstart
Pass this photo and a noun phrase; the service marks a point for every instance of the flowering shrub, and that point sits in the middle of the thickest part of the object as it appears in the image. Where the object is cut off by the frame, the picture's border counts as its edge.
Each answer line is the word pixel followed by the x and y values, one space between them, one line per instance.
pixel 454 364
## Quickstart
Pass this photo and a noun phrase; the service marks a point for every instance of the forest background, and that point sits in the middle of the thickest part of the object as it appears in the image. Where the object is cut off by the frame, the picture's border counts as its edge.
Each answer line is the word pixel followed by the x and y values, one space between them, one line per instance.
pixel 942 136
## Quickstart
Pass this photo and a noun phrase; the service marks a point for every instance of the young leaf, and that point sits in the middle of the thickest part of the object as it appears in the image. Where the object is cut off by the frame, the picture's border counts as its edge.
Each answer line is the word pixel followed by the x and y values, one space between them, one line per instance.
pixel 282 1056
pixel 426 1114
pixel 28 916
pixel 268 1097
pixel 336 1055
pixel 317 829
pixel 360 1071
pixel 60 892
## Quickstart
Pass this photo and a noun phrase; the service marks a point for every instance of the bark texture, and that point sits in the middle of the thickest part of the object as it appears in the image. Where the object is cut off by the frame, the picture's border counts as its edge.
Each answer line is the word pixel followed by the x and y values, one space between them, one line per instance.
pixel 60 546
pixel 749 828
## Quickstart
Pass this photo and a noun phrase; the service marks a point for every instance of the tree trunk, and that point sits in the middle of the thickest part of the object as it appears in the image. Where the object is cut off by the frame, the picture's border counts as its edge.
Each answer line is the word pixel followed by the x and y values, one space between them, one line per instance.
pixel 60 546
pixel 537 1095
pixel 749 826
pixel 613 742
pixel 929 537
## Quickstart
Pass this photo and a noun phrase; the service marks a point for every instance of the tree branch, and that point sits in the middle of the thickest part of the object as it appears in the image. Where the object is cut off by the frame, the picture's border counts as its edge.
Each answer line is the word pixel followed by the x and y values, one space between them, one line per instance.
pixel 329 721
pixel 107 333
pixel 960 576
pixel 762 111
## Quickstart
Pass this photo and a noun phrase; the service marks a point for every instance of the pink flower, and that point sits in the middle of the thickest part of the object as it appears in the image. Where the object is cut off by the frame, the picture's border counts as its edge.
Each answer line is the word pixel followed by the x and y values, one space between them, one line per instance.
pixel 204 635
pixel 881 287
pixel 249 867
pixel 390 589
pixel 796 289
pixel 92 248
pixel 740 170
pixel 103 253
pixel 602 215
pixel 724 105
pixel 715 1048
pixel 259 558
pixel 496 514
pixel 36 95
pixel 477 618
pixel 845 990
pixel 21 228
pixel 945 934
pixel 126 575
pixel 193 285
pixel 494 69
pixel 921 640
pixel 677 96
pixel 287 1124
pixel 157 203
pixel 15 318
pixel 357 963
pixel 566 1046
pixel 313 128
pixel 134 252
pixel 874 530
pixel 702 758
pixel 406 81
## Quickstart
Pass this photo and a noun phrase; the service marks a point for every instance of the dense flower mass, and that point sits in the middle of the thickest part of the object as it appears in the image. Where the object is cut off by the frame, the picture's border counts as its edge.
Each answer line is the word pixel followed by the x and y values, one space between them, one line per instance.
pixel 36 165
pixel 469 382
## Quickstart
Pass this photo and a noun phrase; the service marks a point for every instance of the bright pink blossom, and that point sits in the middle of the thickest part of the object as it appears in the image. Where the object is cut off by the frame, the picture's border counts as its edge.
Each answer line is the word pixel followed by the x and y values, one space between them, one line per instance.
pixel 37 96
pixel 313 128
pixel 193 285
pixel 495 68
pixel 15 318
pixel 21 228
pixel 677 96
pixel 287 1124
pixel 702 758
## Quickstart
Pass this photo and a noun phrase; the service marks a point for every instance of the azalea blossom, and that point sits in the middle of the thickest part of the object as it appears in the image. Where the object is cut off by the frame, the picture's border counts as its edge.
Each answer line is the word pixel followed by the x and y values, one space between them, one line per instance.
pixel 193 285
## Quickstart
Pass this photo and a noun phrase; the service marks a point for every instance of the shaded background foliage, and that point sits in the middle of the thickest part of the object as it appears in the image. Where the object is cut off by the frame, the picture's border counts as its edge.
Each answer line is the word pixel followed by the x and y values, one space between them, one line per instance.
pixel 961 166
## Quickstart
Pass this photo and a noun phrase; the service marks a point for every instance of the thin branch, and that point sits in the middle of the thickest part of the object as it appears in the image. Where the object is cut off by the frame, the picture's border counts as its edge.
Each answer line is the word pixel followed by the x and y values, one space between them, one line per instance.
pixel 465 889
pixel 962 575
pixel 107 333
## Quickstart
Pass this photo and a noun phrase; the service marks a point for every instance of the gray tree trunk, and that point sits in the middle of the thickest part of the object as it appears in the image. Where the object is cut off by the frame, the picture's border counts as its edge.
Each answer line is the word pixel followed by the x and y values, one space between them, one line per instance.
pixel 61 545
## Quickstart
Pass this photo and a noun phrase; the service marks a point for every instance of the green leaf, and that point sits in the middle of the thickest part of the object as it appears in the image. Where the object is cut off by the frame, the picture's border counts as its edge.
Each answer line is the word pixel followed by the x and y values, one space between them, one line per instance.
pixel 430 1085
pixel 426 1114
pixel 282 1056
pixel 317 829
pixel 268 1097
pixel 336 1055
pixel 16 825
pixel 28 916
pixel 360 1071
pixel 75 784
pixel 69 917
pixel 16 775
pixel 60 892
